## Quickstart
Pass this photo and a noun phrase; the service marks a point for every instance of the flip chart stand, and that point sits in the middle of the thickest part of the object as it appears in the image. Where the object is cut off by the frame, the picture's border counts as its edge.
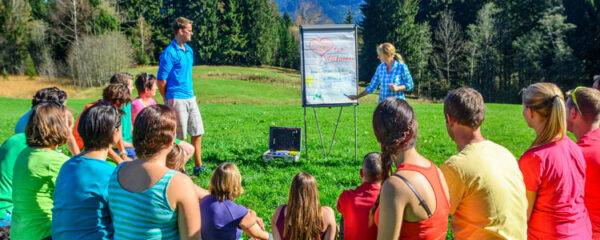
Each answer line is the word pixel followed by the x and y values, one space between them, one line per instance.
pixel 326 152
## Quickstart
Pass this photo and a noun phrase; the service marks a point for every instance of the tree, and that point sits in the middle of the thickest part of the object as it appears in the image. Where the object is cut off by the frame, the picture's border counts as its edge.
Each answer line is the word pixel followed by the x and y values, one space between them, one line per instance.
pixel 371 34
pixel 449 50
pixel 546 55
pixel 483 51
pixel 288 51
pixel 14 40
pixel 231 47
pixel 349 19
pixel 141 39
pixel 258 28
pixel 207 31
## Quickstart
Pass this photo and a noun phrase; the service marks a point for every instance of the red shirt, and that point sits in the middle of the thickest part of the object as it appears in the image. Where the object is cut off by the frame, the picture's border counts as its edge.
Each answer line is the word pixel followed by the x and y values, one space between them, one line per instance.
pixel 556 171
pixel 75 132
pixel 355 206
pixel 590 147
pixel 435 227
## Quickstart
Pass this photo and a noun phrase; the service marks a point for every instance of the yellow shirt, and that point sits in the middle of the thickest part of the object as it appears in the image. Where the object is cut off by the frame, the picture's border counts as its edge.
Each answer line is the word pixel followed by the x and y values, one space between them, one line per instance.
pixel 487 193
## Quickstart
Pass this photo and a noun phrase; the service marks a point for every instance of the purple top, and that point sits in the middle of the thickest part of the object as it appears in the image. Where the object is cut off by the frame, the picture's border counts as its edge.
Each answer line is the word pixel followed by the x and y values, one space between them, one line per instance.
pixel 221 220
pixel 280 224
pixel 137 106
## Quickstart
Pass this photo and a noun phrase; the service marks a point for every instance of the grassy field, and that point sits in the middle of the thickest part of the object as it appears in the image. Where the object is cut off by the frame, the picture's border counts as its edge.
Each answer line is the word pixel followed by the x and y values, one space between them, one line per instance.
pixel 238 132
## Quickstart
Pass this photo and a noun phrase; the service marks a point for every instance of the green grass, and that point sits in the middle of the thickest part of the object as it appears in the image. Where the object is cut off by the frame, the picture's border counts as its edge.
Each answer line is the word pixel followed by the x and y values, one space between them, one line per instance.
pixel 239 133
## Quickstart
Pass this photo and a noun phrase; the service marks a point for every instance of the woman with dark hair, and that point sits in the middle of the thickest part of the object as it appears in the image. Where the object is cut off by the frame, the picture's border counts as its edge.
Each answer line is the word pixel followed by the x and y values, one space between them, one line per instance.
pixel 413 203
pixel 80 198
pixel 35 171
pixel 303 217
pixel 148 200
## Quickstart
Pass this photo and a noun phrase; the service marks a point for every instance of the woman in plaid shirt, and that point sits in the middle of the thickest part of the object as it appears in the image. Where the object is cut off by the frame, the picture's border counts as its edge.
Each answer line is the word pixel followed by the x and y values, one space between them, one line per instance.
pixel 392 74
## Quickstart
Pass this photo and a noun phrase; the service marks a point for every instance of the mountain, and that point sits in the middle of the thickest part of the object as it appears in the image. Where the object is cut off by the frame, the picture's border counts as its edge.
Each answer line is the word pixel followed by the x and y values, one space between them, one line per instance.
pixel 335 10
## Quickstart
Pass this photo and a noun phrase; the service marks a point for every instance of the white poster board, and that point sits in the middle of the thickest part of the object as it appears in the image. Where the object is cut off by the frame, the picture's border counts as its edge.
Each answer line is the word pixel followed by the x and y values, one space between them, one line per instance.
pixel 329 65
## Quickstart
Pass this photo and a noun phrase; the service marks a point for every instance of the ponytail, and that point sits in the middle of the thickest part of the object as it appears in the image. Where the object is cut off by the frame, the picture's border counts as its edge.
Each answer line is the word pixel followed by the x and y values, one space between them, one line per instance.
pixel 399 58
pixel 547 100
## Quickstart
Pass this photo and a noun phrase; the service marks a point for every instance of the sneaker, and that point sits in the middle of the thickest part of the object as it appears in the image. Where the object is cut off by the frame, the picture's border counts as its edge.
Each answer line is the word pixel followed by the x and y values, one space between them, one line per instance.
pixel 198 170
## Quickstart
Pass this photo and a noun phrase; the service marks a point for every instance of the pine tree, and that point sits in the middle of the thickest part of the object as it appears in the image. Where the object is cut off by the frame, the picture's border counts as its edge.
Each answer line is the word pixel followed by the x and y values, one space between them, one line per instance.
pixel 231 47
pixel 483 50
pixel 14 35
pixel 349 19
pixel 372 36
pixel 257 26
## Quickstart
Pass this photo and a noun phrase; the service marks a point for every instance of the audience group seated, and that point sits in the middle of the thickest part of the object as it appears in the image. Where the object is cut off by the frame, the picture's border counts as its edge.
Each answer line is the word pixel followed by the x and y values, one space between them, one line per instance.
pixel 126 179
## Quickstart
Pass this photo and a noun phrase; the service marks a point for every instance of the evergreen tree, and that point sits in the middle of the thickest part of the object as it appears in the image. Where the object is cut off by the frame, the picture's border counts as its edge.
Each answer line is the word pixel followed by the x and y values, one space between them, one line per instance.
pixel 349 19
pixel 288 48
pixel 206 31
pixel 483 51
pixel 372 36
pixel 14 35
pixel 231 47
pixel 258 28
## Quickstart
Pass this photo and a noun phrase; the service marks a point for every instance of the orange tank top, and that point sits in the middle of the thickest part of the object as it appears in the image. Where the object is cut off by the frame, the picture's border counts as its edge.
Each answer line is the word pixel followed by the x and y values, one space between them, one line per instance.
pixel 436 226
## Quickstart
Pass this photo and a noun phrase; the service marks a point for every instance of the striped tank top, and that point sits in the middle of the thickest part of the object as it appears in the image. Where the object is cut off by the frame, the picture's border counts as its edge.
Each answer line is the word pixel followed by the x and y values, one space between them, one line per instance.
pixel 143 215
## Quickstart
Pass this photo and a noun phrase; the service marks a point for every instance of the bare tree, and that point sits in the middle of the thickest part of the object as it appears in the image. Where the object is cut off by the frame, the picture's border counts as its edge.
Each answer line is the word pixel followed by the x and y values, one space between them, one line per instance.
pixel 309 13
pixel 449 47
pixel 98 57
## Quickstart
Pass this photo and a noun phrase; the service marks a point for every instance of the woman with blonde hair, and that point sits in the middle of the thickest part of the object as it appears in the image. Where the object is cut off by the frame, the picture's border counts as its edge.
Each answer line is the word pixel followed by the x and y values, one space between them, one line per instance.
pixel 392 75
pixel 553 169
pixel 221 217
pixel 303 218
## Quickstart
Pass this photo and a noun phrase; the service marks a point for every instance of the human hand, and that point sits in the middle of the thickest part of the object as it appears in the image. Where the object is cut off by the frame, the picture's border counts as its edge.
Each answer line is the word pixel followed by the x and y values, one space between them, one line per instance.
pixel 126 158
pixel 260 223
pixel 393 87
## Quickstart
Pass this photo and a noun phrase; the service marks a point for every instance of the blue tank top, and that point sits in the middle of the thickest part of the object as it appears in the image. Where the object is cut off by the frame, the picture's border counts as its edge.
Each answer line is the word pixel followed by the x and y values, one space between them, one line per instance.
pixel 143 215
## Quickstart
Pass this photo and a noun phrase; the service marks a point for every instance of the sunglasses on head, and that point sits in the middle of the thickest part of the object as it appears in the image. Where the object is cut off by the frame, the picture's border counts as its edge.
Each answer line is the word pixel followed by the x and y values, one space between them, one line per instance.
pixel 574 99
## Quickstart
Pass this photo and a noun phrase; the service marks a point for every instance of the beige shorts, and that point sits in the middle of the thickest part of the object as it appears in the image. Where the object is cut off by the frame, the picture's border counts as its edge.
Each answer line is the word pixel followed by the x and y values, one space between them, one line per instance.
pixel 189 119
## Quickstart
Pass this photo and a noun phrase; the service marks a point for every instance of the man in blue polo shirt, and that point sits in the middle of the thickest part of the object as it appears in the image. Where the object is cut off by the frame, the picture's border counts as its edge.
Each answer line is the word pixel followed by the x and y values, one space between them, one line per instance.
pixel 175 85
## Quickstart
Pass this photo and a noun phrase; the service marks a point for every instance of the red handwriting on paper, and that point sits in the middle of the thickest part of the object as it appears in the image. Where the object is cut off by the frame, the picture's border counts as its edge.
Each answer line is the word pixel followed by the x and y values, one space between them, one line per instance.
pixel 320 46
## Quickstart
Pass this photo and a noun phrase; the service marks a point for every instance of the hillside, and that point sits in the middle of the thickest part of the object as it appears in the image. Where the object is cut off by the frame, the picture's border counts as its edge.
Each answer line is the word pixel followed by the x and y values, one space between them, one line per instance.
pixel 335 10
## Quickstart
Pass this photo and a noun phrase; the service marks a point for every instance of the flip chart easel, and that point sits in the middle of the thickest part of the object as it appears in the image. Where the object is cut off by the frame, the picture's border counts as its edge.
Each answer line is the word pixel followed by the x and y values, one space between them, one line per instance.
pixel 329 67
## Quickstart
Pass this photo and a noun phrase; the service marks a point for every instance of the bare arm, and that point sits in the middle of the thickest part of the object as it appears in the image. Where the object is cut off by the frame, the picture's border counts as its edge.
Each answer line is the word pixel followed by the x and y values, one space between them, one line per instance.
pixel 330 224
pixel 201 192
pixel 361 94
pixel 114 156
pixel 531 196
pixel 391 211
pixel 186 205
pixel 162 88
pixel 253 227
pixel 72 145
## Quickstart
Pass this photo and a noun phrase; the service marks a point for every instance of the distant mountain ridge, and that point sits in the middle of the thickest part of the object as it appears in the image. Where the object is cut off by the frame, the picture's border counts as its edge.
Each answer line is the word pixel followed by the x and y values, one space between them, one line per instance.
pixel 335 10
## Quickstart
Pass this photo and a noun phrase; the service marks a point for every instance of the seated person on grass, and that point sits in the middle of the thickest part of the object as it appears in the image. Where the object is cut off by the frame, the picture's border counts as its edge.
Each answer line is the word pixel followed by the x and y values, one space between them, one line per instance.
pixel 355 205
pixel 146 86
pixel 126 121
pixel 117 95
pixel 303 217
pixel 221 217
pixel 47 94
pixel 80 197
pixel 35 172
pixel 176 160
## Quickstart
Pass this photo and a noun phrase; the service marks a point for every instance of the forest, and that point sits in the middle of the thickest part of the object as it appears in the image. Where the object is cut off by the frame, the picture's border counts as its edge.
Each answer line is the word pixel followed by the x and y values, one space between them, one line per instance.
pixel 497 47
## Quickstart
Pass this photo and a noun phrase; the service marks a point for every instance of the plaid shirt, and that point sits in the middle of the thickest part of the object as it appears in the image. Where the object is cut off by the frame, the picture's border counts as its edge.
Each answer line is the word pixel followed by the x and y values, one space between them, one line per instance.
pixel 398 76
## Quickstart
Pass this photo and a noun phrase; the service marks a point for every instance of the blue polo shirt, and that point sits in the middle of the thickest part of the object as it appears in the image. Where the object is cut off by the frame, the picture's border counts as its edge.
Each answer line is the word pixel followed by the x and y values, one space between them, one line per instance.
pixel 176 68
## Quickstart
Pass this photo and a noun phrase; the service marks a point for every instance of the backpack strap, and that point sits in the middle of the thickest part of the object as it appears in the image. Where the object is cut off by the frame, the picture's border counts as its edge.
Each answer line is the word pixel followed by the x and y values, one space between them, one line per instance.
pixel 412 188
